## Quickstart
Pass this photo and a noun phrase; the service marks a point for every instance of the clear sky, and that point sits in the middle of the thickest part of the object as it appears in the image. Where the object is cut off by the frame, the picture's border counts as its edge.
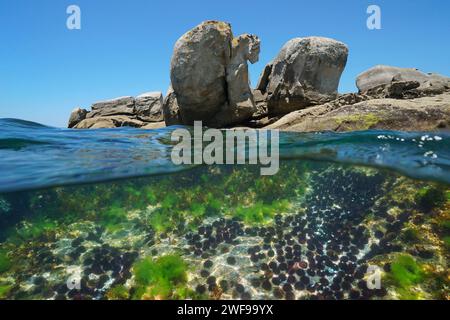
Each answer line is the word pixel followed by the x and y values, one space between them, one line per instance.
pixel 124 47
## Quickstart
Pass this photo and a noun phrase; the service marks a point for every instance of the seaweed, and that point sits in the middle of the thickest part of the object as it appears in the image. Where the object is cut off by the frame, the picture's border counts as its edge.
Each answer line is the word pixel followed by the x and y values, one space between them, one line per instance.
pixel 118 292
pixel 112 217
pixel 5 262
pixel 39 227
pixel 5 289
pixel 446 241
pixel 160 221
pixel 431 197
pixel 411 235
pixel 260 212
pixel 406 272
pixel 160 278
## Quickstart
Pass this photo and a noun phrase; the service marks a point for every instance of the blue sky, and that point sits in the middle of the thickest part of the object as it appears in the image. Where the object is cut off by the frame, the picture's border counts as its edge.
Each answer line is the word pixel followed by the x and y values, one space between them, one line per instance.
pixel 124 47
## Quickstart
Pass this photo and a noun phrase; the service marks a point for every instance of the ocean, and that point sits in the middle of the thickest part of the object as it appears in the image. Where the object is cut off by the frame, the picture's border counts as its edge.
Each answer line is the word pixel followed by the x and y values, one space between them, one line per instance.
pixel 105 214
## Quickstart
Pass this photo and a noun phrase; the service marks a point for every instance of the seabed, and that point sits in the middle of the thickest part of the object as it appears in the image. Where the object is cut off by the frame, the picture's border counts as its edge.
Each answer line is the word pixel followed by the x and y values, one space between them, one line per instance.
pixel 309 232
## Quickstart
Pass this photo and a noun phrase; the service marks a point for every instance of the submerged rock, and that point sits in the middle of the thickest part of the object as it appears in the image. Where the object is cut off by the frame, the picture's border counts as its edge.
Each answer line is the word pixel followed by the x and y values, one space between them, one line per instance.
pixel 306 72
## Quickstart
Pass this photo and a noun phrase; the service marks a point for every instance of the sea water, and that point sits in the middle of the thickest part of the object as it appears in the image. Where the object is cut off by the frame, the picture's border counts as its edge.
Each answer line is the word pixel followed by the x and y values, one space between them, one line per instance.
pixel 105 214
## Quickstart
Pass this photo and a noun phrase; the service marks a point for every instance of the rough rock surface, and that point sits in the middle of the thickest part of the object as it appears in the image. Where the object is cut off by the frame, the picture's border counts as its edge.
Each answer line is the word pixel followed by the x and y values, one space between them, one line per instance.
pixel 263 81
pixel 209 75
pixel 109 122
pixel 117 106
pixel 430 113
pixel 306 72
pixel 154 125
pixel 148 107
pixel 401 83
pixel 171 111
pixel 124 111
pixel 77 116
pixel 261 105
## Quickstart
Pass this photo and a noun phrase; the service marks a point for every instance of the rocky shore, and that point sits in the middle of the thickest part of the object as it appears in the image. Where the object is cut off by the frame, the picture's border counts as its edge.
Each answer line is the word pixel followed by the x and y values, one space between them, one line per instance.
pixel 297 91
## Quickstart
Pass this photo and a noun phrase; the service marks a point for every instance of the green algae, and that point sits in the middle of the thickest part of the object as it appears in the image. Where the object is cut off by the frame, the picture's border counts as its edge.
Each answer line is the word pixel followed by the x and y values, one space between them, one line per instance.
pixel 407 294
pixel 405 273
pixel 113 217
pixel 177 201
pixel 446 241
pixel 260 213
pixel 431 197
pixel 160 221
pixel 181 202
pixel 118 292
pixel 5 289
pixel 5 262
pixel 160 278
pixel 362 122
pixel 39 227
pixel 411 235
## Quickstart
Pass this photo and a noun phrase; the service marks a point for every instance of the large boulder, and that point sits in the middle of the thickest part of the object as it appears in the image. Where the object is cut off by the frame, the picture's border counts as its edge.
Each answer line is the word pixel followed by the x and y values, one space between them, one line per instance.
pixel 209 75
pixel 77 116
pixel 198 70
pixel 393 82
pixel 306 72
pixel 148 107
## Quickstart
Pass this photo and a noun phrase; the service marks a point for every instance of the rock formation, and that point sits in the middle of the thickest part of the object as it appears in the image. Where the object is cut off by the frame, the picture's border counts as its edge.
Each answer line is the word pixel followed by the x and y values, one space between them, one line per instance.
pixel 124 111
pixel 306 72
pixel 209 76
pixel 116 121
pixel 113 107
pixel 394 82
pixel 171 111
pixel 148 107
pixel 296 91
pixel 77 116
pixel 389 98
pixel 359 112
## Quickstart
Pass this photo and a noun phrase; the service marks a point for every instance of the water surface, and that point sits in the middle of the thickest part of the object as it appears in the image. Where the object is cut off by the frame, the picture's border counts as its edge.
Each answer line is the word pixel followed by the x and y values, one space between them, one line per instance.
pixel 104 214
